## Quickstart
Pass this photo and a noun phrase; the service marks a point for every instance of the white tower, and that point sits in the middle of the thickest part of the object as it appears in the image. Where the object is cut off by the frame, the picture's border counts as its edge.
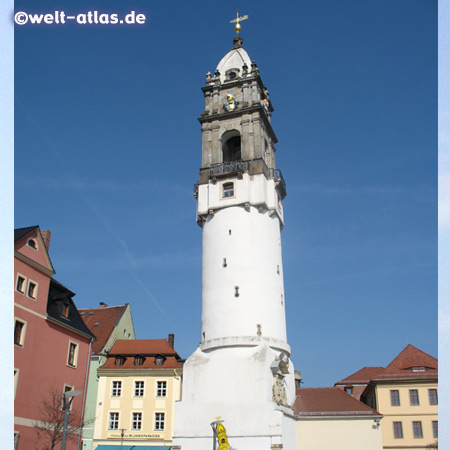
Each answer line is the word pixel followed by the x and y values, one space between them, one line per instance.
pixel 241 371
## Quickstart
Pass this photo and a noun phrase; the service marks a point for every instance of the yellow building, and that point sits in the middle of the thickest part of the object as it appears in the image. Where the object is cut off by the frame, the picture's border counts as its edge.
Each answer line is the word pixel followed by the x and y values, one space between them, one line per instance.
pixel 328 418
pixel 406 394
pixel 137 390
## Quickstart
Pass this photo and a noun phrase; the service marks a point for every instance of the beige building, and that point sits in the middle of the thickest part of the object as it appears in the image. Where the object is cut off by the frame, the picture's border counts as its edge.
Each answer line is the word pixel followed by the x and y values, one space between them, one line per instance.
pixel 137 389
pixel 406 393
pixel 328 418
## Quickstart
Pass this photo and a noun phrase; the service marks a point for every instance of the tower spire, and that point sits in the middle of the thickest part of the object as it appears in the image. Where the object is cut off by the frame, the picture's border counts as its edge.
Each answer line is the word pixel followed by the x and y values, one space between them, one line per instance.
pixel 238 41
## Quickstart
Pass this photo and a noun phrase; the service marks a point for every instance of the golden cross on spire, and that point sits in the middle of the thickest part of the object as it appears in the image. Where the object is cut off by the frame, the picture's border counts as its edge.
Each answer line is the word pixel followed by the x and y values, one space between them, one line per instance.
pixel 238 19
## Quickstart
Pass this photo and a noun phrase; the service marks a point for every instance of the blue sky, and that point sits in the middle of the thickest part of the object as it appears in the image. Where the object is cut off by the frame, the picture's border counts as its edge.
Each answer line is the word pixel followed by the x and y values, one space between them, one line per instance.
pixel 108 147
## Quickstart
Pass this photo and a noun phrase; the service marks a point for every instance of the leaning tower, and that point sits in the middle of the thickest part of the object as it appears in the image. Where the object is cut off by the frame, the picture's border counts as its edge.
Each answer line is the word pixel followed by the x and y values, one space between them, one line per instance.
pixel 241 371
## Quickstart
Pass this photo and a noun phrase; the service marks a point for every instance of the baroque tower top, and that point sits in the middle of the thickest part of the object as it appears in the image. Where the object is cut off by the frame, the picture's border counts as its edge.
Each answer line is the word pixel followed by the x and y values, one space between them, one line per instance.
pixel 237 135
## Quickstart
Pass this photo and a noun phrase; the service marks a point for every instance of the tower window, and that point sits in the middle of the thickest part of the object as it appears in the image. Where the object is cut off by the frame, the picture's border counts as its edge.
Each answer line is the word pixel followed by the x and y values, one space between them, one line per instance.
pixel 236 291
pixel 232 149
pixel 224 262
pixel 228 190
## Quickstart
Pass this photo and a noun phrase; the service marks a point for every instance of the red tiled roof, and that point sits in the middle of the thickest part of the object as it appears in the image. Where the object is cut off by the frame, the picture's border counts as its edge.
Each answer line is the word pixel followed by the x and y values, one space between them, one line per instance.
pixel 106 318
pixel 410 357
pixel 329 401
pixel 143 347
pixel 148 348
pixel 362 376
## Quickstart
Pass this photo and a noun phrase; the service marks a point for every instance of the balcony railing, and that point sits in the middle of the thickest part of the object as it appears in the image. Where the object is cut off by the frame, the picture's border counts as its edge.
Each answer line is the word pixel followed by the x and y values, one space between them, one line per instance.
pixel 275 174
pixel 228 167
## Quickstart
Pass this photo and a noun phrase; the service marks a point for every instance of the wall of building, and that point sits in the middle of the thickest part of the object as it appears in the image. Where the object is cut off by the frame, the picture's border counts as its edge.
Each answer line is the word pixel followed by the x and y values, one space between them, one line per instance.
pixel 127 403
pixel 406 413
pixel 123 330
pixel 346 433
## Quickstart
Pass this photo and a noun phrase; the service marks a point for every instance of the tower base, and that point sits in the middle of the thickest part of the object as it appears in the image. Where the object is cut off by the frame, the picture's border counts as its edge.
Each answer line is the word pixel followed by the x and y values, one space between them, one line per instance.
pixel 237 385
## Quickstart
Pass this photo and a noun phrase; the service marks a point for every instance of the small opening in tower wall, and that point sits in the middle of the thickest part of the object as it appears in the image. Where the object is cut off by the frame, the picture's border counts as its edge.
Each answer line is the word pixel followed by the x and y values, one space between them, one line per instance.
pixel 224 262
pixel 231 150
pixel 229 232
pixel 236 291
pixel 278 270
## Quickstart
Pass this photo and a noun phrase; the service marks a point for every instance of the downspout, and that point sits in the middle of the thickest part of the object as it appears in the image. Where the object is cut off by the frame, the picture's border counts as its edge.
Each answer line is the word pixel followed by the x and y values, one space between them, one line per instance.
pixel 84 394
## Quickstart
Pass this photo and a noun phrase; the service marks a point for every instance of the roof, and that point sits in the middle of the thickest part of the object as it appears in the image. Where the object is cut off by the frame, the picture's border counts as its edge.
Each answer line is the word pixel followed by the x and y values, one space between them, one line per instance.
pixel 143 347
pixel 329 401
pixel 101 322
pixel 149 348
pixel 410 363
pixel 19 233
pixel 362 376
pixel 234 59
pixel 59 297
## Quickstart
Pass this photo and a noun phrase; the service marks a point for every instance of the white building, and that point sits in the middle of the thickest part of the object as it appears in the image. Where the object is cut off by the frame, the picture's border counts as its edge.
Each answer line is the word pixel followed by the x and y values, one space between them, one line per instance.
pixel 241 372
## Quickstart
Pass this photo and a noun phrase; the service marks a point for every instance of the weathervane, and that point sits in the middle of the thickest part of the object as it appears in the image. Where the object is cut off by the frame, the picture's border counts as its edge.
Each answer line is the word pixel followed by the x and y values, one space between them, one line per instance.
pixel 238 19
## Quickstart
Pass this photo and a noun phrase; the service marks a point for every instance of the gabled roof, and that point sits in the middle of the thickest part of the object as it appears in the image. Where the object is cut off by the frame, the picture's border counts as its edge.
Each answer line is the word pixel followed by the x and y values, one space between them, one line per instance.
pixel 410 363
pixel 143 347
pixel 101 322
pixel 19 233
pixel 362 376
pixel 329 402
pixel 148 348
pixel 41 260
pixel 59 297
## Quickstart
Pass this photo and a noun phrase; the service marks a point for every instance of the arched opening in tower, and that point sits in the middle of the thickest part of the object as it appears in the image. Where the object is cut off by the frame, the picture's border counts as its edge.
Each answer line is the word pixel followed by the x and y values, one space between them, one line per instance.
pixel 232 149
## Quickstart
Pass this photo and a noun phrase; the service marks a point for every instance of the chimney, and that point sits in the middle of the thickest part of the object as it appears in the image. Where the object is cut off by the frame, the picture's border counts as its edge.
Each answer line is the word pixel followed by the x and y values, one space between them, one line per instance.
pixel 171 340
pixel 46 235
pixel 103 305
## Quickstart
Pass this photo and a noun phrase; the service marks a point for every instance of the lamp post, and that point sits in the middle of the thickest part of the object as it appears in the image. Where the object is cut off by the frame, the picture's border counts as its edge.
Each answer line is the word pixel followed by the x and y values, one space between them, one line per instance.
pixel 67 402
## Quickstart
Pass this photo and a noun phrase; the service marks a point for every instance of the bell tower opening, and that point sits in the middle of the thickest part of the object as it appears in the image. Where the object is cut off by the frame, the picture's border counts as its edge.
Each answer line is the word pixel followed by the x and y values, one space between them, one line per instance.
pixel 231 150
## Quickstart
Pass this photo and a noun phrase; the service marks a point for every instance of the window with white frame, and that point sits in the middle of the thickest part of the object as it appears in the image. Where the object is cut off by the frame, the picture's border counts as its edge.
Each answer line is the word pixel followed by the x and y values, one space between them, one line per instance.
pixel 159 421
pixel 19 332
pixel 116 389
pixel 32 243
pixel 16 380
pixel 138 388
pixel 32 289
pixel 228 190
pixel 67 388
pixel 136 423
pixel 72 355
pixel 161 388
pixel 20 284
pixel 113 421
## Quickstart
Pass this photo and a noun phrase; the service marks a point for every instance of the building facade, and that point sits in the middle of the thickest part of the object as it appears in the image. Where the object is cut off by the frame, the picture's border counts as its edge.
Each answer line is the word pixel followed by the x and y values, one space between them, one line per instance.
pixel 241 371
pixel 138 386
pixel 328 418
pixel 107 323
pixel 51 346
pixel 406 394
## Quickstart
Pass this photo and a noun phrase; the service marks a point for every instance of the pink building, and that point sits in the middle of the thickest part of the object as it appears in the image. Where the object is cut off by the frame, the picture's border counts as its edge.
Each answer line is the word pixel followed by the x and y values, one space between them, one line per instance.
pixel 51 345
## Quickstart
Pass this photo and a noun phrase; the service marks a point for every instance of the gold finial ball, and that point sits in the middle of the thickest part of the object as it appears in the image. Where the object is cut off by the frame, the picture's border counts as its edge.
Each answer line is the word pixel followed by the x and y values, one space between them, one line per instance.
pixel 237 28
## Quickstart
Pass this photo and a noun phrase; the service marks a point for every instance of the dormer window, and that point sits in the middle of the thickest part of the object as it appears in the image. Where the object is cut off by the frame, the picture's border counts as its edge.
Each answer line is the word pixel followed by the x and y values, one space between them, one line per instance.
pixel 65 310
pixel 119 360
pixel 32 243
pixel 418 369
pixel 159 360
pixel 138 360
